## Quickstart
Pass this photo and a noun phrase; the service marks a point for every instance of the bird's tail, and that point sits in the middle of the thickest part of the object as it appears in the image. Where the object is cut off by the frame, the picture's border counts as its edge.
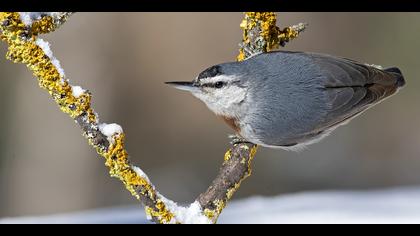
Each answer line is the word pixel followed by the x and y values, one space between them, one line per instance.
pixel 398 75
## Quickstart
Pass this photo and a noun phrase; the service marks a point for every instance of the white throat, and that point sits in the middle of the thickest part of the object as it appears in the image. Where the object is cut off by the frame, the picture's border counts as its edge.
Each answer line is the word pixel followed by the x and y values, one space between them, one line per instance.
pixel 224 101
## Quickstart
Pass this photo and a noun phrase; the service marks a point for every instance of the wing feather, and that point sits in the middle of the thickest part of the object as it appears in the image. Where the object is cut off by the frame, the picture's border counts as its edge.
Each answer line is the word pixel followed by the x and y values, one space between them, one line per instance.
pixel 352 87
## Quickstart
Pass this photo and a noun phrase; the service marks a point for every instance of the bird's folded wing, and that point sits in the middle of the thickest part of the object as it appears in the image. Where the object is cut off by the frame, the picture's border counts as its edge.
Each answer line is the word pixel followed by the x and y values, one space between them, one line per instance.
pixel 352 87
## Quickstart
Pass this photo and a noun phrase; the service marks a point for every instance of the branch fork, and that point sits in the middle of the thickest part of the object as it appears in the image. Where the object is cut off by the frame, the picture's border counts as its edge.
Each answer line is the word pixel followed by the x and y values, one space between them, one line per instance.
pixel 21 30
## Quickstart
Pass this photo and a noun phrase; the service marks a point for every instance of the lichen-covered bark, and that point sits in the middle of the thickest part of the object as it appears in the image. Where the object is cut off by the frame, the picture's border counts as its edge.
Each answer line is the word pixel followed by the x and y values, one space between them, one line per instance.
pixel 236 167
pixel 260 34
pixel 21 34
pixel 21 39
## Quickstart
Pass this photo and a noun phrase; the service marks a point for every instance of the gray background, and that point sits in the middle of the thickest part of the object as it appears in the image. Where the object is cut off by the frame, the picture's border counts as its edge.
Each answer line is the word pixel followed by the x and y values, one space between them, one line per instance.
pixel 46 166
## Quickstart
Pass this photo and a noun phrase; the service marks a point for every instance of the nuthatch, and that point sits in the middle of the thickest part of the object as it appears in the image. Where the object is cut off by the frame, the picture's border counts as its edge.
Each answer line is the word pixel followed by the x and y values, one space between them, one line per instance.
pixel 291 99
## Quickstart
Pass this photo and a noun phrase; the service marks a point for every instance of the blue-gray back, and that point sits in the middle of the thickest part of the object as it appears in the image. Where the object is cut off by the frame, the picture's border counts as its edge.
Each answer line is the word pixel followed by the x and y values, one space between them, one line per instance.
pixel 295 96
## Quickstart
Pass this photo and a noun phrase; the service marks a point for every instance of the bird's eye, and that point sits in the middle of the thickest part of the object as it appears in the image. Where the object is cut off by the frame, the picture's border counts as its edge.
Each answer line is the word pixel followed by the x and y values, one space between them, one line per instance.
pixel 219 84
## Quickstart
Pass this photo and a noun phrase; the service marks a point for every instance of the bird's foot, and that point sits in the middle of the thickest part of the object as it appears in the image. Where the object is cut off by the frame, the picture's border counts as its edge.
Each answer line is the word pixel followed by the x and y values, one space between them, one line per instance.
pixel 251 53
pixel 235 139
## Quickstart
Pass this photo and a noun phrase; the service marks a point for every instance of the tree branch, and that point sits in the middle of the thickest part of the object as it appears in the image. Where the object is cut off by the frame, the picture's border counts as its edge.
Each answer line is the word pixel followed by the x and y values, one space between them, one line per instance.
pixel 260 34
pixel 236 167
pixel 20 31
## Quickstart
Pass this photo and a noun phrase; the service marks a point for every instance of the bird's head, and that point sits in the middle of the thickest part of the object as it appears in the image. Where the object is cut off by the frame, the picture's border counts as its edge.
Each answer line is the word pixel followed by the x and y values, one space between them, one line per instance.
pixel 220 87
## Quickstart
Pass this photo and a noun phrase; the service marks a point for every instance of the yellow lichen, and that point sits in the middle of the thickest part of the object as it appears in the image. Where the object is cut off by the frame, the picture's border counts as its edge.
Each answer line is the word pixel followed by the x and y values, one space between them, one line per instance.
pixel 266 23
pixel 213 214
pixel 228 155
pixel 269 36
pixel 45 25
pixel 117 161
pixel 252 153
pixel 231 191
pixel 241 55
pixel 22 50
pixel 164 216
pixel 220 204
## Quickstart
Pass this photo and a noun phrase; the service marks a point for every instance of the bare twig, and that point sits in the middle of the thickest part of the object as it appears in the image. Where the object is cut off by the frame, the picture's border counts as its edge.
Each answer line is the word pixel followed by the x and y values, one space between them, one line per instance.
pixel 21 30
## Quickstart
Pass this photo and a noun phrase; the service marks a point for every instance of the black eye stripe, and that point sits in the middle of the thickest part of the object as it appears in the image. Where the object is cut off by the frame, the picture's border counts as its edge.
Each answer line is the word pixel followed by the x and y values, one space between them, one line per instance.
pixel 218 84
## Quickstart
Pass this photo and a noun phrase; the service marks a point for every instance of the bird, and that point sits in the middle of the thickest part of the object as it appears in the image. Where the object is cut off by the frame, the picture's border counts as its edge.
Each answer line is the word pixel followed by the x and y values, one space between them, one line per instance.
pixel 288 99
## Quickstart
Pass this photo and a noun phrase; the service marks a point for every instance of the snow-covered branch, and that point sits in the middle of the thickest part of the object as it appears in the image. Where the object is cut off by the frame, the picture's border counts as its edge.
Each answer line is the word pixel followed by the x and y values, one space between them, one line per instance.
pixel 21 30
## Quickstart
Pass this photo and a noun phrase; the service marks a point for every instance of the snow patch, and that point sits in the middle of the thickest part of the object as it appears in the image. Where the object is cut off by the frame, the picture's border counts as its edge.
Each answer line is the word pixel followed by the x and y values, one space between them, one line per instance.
pixel 109 130
pixel 54 15
pixel 187 215
pixel 45 46
pixel 25 17
pixel 192 215
pixel 28 18
pixel 141 173
pixel 77 91
pixel 397 206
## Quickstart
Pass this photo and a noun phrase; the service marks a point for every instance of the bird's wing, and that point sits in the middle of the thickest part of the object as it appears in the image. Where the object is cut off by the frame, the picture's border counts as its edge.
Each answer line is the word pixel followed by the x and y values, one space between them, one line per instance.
pixel 352 87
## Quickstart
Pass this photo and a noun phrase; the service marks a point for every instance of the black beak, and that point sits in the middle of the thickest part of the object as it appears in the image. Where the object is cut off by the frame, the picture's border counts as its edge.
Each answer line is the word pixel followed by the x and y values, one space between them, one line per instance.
pixel 187 86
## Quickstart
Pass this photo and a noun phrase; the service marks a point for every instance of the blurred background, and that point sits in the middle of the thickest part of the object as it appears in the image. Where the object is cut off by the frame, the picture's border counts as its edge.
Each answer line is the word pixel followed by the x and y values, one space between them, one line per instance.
pixel 46 166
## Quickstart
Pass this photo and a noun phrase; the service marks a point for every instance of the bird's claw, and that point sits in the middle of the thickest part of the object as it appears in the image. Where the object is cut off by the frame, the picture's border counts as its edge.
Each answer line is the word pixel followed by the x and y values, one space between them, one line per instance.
pixel 235 139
